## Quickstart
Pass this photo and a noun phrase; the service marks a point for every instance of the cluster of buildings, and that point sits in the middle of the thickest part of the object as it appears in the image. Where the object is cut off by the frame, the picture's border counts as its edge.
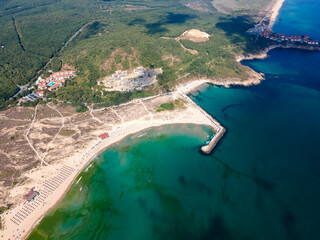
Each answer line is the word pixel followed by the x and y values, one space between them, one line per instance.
pixel 51 83
pixel 125 81
pixel 31 97
pixel 293 38
pixel 54 81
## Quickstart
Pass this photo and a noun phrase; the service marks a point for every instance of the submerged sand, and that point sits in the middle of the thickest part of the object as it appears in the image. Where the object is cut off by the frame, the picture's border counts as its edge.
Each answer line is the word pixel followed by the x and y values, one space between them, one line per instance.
pixel 54 180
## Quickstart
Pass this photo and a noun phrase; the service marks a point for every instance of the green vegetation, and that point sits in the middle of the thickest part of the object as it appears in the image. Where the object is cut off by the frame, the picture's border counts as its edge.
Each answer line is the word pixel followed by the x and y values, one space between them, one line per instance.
pixel 81 108
pixel 165 106
pixel 32 32
pixel 240 6
pixel 171 105
pixel 2 210
pixel 67 132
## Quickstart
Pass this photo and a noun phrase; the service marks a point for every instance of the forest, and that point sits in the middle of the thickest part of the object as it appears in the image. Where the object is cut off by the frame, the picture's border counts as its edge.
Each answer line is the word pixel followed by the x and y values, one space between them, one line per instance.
pixel 120 34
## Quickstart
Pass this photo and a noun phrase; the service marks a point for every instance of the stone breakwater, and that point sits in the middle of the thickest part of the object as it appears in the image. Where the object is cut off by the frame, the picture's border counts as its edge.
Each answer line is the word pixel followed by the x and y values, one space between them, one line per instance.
pixel 219 129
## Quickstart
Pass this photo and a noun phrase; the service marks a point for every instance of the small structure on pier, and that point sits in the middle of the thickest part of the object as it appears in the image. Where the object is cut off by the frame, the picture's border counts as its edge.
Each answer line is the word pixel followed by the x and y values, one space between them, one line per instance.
pixel 103 136
pixel 31 195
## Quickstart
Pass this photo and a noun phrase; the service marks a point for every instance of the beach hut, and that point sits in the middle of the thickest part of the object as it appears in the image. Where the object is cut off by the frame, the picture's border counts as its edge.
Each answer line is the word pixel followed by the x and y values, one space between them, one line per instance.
pixel 103 136
pixel 31 195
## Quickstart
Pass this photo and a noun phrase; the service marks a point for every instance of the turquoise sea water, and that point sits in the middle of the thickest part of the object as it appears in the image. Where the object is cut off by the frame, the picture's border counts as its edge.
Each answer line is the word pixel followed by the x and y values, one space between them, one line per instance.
pixel 261 182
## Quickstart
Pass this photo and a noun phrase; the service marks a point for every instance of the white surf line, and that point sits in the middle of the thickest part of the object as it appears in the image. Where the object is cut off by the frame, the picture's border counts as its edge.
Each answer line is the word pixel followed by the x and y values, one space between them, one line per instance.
pixel 78 180
pixel 150 113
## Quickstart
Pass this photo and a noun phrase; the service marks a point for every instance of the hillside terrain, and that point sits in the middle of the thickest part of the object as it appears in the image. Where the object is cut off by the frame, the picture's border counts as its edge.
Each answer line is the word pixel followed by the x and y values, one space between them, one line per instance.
pixel 117 35
pixel 253 8
pixel 180 40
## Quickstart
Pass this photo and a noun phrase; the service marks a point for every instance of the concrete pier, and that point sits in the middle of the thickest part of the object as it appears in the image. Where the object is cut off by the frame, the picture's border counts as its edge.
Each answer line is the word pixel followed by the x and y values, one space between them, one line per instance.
pixel 208 148
pixel 219 129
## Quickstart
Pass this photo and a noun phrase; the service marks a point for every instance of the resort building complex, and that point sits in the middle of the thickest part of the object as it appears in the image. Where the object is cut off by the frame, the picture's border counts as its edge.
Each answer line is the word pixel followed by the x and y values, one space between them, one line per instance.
pixel 54 81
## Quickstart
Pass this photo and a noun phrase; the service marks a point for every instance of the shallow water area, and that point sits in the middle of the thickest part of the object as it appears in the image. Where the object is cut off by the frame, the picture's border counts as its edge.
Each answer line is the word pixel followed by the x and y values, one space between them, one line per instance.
pixel 153 184
pixel 261 182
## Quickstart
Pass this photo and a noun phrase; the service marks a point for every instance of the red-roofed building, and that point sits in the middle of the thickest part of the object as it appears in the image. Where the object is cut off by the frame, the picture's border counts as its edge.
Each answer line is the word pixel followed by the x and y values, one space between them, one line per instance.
pixel 103 136
pixel 40 93
pixel 42 86
pixel 56 80
pixel 31 195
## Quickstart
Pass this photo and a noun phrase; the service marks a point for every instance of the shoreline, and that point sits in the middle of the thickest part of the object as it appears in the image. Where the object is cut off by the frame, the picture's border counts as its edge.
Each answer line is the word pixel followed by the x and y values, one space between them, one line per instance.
pixel 95 147
pixel 275 12
pixel 104 148
pixel 23 218
pixel 263 54
pixel 254 79
pixel 135 127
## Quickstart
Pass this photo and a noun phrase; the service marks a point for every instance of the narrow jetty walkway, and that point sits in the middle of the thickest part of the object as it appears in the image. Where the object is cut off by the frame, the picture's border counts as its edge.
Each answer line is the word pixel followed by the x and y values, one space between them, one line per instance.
pixel 220 130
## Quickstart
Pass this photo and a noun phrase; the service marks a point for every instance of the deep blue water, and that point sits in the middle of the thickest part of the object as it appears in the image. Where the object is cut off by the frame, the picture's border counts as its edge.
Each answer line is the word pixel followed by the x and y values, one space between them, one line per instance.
pixel 261 182
pixel 274 133
pixel 299 17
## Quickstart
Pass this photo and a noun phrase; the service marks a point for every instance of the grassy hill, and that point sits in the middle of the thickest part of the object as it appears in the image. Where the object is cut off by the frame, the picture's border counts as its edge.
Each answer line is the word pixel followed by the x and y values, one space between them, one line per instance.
pixel 122 34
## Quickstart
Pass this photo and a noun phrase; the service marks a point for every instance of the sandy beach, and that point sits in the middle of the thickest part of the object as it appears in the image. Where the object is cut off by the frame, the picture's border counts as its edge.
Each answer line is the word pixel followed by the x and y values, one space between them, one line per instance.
pixel 53 181
pixel 274 12
pixel 68 159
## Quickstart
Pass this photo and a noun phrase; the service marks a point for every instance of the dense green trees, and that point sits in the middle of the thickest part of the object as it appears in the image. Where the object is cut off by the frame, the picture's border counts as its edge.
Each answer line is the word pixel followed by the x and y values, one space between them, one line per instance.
pixel 121 40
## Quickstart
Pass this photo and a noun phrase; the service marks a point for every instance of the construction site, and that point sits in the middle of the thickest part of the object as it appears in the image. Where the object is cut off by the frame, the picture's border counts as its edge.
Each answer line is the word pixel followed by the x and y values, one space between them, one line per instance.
pixel 126 81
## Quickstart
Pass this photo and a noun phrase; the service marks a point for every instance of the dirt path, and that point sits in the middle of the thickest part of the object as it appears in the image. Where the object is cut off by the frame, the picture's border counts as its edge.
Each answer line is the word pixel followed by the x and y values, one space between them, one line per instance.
pixel 26 136
pixel 98 120
pixel 66 44
pixel 178 41
pixel 122 121
pixel 150 113
pixel 62 125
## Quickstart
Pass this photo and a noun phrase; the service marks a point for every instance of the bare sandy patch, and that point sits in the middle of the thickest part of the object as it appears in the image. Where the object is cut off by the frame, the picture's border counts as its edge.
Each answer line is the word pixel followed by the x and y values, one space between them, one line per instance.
pixel 194 35
pixel 67 67
pixel 131 8
pixel 171 58
pixel 200 6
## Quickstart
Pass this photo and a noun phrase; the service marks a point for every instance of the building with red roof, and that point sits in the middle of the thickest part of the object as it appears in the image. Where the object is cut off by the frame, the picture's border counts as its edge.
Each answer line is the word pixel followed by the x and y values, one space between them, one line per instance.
pixel 103 136
pixel 55 80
